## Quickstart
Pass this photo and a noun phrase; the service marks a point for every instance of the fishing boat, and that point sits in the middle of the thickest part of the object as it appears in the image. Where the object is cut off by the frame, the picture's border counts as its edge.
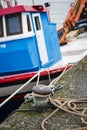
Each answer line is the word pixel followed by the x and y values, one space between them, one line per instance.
pixel 29 46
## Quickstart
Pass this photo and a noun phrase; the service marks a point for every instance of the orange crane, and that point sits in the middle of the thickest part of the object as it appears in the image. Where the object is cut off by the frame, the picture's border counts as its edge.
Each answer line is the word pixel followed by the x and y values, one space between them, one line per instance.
pixel 78 11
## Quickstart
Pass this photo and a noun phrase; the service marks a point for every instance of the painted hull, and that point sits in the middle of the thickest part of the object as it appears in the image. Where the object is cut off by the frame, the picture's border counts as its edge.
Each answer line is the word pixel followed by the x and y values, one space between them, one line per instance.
pixel 23 55
pixel 71 53
pixel 9 84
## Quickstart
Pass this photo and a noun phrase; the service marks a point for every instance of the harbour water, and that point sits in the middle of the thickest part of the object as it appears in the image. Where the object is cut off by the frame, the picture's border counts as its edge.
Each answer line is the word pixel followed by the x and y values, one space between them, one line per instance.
pixel 9 107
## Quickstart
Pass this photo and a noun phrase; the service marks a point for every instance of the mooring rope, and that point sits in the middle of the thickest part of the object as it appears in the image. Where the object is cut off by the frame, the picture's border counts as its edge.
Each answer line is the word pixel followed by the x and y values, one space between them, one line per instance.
pixel 53 82
pixel 24 85
pixel 69 106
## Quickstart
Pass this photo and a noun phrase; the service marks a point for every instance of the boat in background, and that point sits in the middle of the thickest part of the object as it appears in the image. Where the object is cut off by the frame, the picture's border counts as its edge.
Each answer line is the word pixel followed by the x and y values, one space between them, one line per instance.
pixel 29 44
pixel 76 19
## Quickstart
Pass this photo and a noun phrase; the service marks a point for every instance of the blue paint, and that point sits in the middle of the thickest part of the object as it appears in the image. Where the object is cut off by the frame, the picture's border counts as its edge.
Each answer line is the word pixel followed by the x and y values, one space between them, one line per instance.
pixel 52 41
pixel 19 55
pixel 22 55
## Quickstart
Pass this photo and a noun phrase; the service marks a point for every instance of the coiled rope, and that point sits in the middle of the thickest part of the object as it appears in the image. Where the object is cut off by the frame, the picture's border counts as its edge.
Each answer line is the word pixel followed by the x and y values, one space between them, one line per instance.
pixel 69 106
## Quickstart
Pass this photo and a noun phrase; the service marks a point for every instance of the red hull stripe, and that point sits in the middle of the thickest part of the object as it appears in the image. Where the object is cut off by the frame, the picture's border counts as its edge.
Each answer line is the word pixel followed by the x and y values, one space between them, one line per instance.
pixel 20 96
pixel 26 76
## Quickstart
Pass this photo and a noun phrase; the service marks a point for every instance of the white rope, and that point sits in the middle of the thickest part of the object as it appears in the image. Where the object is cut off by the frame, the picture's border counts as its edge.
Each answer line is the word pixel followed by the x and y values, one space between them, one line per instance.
pixel 48 76
pixel 11 96
pixel 37 74
pixel 52 84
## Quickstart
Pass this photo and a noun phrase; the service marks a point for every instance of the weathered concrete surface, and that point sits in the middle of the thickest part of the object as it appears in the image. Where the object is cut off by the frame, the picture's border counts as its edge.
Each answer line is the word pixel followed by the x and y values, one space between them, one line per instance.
pixel 74 84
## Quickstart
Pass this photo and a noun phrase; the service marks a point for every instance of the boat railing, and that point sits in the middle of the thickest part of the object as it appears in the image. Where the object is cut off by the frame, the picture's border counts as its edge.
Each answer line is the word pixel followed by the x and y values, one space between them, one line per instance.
pixel 24 85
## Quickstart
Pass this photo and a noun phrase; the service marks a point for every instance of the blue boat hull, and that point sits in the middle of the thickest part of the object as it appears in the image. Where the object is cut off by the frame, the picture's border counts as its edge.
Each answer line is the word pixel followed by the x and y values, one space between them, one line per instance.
pixel 18 56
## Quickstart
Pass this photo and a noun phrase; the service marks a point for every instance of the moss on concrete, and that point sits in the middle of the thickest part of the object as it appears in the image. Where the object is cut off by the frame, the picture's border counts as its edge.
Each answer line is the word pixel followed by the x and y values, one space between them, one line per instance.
pixel 74 83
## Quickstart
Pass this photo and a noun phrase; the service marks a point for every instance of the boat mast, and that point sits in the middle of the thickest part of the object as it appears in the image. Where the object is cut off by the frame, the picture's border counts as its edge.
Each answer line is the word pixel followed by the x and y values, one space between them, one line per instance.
pixel 33 2
pixel 1 5
pixel 8 3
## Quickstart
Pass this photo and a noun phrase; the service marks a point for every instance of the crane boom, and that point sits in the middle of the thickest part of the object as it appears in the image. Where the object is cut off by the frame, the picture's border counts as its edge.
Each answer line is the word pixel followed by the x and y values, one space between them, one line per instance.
pixel 77 10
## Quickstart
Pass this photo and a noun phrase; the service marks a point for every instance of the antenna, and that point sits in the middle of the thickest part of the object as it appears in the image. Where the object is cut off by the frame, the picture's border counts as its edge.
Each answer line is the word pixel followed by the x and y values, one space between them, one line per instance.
pixel 16 2
pixel 8 3
pixel 33 2
pixel 1 5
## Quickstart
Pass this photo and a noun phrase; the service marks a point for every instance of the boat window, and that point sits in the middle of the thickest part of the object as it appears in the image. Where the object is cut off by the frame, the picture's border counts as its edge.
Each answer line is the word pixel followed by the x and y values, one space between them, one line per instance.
pixel 28 23
pixel 13 24
pixel 1 27
pixel 37 23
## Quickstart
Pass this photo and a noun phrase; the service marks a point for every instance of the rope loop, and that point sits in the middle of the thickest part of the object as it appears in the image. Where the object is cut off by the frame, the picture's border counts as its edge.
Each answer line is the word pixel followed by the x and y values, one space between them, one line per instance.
pixel 69 106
